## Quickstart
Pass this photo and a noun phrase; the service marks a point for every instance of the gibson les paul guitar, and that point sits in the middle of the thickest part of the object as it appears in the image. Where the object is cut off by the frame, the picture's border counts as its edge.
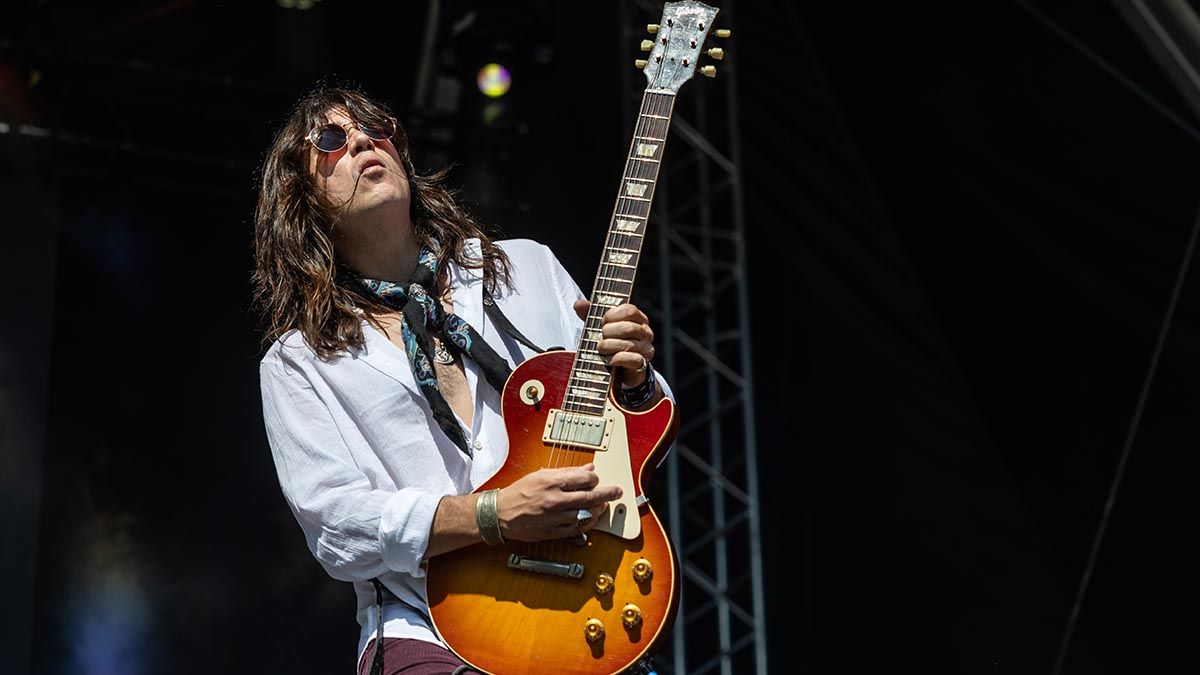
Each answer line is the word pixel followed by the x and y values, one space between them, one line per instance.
pixel 602 602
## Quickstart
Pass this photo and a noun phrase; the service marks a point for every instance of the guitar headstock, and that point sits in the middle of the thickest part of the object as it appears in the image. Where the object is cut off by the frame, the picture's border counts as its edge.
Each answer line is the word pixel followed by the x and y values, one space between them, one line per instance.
pixel 678 44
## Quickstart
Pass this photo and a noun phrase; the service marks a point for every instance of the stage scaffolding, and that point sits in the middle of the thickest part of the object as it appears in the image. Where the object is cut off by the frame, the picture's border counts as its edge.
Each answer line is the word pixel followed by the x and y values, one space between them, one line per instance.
pixel 698 297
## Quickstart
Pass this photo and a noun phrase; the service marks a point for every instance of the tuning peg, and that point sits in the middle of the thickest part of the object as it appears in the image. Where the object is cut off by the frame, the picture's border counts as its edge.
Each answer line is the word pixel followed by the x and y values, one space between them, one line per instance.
pixel 709 71
pixel 647 45
pixel 717 53
pixel 652 28
pixel 723 32
pixel 640 63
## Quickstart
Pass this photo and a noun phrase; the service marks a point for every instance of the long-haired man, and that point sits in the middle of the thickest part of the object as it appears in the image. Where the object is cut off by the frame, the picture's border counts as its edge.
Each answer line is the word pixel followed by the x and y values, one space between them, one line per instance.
pixel 392 320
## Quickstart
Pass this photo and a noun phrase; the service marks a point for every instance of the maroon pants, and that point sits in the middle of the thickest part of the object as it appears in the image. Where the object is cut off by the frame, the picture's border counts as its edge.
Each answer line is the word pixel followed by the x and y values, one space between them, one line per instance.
pixel 412 657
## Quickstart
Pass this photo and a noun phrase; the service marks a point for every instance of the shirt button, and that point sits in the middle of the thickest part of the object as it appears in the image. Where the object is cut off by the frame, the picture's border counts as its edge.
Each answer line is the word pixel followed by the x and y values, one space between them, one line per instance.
pixel 478 445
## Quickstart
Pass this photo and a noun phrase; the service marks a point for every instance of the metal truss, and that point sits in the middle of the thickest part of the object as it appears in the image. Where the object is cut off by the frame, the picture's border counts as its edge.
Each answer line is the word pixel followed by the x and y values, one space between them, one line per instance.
pixel 698 297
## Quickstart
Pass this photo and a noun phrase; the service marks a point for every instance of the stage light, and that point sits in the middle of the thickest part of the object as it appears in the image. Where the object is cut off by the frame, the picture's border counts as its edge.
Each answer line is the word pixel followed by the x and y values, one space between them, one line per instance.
pixel 494 80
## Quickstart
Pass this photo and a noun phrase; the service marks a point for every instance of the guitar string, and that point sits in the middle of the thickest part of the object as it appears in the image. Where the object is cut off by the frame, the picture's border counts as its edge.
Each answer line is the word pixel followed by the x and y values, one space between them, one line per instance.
pixel 651 109
pixel 654 108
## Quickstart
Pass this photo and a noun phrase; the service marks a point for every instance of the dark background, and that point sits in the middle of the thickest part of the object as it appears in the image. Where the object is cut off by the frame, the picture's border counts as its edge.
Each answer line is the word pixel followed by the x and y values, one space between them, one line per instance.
pixel 963 233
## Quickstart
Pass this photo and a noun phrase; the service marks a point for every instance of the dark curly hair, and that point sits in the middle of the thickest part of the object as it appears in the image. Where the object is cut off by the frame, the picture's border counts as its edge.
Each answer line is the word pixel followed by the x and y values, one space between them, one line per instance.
pixel 299 282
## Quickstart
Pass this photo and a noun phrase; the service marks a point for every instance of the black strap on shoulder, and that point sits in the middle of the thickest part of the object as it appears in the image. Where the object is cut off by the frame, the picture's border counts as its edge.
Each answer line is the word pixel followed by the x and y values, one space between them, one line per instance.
pixel 498 318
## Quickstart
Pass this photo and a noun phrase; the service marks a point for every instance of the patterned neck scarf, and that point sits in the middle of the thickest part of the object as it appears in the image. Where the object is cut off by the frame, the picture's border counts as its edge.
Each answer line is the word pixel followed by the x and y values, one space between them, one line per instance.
pixel 422 316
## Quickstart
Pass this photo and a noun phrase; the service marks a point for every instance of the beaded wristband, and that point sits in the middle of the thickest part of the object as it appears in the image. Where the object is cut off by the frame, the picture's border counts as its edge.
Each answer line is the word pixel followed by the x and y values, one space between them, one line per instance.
pixel 487 518
pixel 636 397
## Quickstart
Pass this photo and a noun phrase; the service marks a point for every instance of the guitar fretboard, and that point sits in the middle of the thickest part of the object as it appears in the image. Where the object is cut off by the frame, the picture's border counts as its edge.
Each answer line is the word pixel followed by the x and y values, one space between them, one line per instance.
pixel 590 377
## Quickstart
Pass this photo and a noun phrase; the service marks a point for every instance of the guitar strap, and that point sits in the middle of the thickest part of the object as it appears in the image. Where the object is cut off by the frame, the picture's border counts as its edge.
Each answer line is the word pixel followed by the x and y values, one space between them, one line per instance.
pixel 498 318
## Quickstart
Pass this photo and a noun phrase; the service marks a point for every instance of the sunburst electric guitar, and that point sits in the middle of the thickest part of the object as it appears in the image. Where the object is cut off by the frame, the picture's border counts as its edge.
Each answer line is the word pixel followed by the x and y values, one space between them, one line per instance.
pixel 600 603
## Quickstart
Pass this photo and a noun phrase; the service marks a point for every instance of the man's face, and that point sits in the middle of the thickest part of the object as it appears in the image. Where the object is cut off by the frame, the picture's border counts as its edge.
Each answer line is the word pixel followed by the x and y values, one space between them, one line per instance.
pixel 364 178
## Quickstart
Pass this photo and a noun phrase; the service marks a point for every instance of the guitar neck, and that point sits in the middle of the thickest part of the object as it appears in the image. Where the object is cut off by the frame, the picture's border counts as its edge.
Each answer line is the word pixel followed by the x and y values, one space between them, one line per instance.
pixel 590 377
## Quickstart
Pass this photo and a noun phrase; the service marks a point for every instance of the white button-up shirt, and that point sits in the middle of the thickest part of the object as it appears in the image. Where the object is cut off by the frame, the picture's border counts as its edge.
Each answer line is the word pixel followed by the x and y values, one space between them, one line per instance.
pixel 361 460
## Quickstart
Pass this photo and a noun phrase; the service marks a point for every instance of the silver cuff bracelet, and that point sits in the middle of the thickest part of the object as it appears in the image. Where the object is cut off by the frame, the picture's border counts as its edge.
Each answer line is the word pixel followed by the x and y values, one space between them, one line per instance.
pixel 487 518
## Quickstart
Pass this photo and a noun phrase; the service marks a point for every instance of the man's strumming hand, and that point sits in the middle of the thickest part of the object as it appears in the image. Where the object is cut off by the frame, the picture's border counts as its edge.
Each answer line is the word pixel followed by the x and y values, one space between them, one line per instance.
pixel 545 504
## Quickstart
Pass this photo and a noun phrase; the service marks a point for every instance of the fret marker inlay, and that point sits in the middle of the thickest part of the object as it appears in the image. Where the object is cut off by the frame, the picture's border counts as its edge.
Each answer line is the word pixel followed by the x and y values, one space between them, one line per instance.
pixel 635 189
pixel 620 258
pixel 627 225
pixel 646 149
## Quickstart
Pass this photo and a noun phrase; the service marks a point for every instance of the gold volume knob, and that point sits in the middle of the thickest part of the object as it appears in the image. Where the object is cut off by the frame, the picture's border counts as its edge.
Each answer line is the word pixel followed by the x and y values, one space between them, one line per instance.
pixel 593 630
pixel 604 584
pixel 631 616
pixel 642 570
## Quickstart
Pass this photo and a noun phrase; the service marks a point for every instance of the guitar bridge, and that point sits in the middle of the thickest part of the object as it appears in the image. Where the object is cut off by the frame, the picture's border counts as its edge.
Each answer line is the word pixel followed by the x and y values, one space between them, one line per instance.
pixel 554 569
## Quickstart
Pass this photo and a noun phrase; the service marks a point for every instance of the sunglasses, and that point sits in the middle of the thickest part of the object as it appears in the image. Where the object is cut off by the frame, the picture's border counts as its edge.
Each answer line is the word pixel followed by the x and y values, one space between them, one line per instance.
pixel 332 137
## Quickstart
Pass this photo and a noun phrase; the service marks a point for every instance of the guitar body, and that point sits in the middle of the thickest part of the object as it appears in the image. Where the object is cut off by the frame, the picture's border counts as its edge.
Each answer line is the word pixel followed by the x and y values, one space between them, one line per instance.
pixel 502 619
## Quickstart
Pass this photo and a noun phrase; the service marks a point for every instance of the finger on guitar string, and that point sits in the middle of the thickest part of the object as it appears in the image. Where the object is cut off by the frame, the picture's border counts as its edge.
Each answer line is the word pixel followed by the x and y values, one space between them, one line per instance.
pixel 628 331
pixel 626 312
pixel 572 478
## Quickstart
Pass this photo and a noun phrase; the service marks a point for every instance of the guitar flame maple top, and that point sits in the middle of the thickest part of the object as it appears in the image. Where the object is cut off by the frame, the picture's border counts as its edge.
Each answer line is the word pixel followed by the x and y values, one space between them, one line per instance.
pixel 502 619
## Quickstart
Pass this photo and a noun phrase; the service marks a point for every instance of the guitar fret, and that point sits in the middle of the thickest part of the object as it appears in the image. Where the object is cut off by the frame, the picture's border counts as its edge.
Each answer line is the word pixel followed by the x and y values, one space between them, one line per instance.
pixel 608 300
pixel 590 377
pixel 630 215
pixel 587 393
pixel 599 407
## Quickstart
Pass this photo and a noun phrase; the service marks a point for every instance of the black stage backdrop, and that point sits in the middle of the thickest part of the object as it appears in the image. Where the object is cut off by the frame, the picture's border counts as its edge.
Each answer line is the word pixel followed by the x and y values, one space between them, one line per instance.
pixel 963 234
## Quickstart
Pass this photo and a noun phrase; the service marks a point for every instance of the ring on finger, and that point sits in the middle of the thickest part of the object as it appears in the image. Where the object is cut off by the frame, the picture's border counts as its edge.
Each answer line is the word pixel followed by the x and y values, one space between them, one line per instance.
pixel 583 517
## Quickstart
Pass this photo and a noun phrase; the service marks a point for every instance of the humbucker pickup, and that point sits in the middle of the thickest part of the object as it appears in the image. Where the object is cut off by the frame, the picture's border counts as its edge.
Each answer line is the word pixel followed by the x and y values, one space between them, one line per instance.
pixel 577 429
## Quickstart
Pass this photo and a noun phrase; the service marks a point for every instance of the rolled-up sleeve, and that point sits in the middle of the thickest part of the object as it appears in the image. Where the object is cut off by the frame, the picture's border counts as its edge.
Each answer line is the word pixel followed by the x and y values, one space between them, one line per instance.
pixel 356 531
